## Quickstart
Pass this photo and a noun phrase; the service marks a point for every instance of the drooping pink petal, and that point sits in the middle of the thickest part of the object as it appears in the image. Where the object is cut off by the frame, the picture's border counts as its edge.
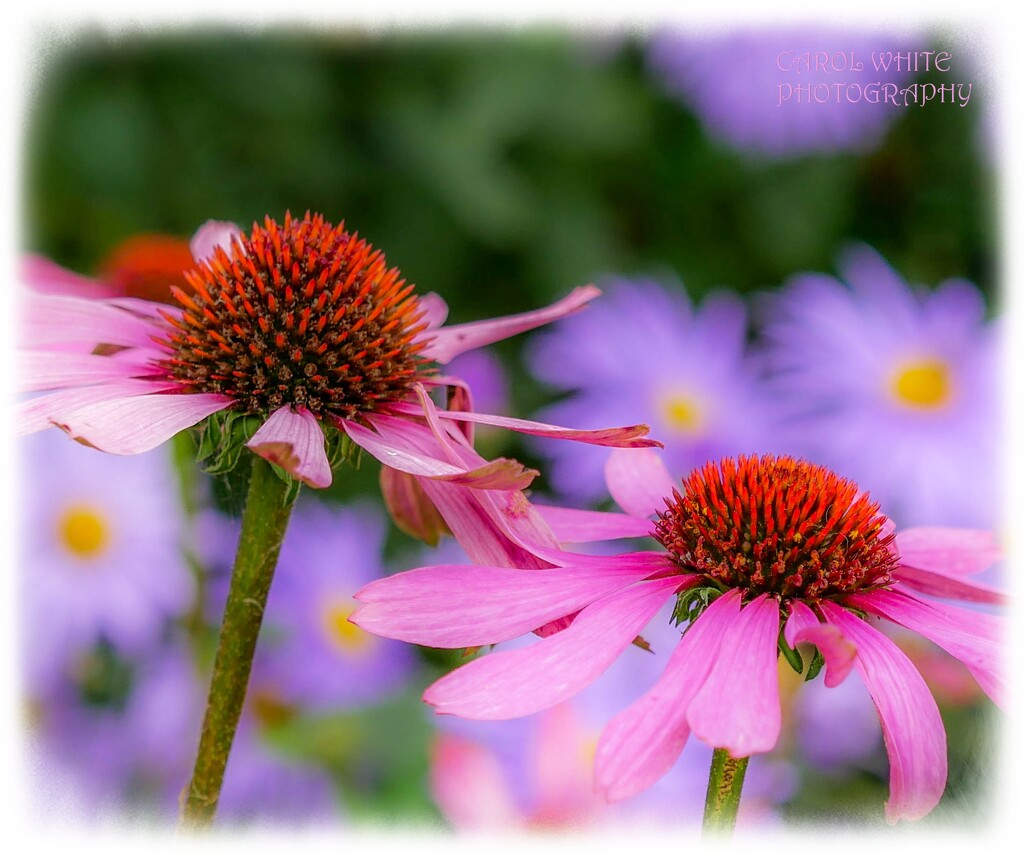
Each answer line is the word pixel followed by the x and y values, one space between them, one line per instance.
pixel 293 439
pixel 48 320
pixel 949 587
pixel 391 448
pixel 460 399
pixel 911 726
pixel 410 508
pixel 495 527
pixel 42 370
pixel 210 235
pixel 948 551
pixel 589 526
pixel 971 637
pixel 639 745
pixel 462 606
pixel 638 481
pixel 738 705
pixel 468 785
pixel 445 344
pixel 499 528
pixel 45 277
pixel 611 437
pixel 136 424
pixel 520 682
pixel 804 627
pixel 39 413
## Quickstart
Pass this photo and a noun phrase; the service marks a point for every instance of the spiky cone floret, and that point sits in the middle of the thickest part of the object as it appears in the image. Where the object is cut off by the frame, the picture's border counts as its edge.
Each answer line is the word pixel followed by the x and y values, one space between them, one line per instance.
pixel 721 681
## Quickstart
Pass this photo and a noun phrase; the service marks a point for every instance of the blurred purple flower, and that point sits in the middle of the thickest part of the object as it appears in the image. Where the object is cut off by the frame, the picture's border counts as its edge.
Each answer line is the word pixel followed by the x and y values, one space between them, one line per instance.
pixel 318 659
pixel 893 387
pixel 733 81
pixel 837 728
pixel 131 756
pixel 538 771
pixel 643 351
pixel 100 553
pixel 311 655
pixel 484 373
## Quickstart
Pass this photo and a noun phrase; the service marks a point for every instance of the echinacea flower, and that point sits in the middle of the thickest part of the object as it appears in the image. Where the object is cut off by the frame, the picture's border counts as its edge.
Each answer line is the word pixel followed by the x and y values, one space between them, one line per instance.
pixel 749 546
pixel 893 387
pixel 743 85
pixel 301 326
pixel 644 351
pixel 100 554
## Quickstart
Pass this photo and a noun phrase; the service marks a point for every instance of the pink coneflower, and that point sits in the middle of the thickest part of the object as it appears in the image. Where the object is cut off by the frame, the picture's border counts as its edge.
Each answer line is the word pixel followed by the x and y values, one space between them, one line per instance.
pixel 750 545
pixel 302 326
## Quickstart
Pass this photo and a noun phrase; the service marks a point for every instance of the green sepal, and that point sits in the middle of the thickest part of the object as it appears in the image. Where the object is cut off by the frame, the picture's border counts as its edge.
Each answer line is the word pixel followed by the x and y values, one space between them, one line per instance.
pixel 222 438
pixel 691 603
pixel 791 654
pixel 815 666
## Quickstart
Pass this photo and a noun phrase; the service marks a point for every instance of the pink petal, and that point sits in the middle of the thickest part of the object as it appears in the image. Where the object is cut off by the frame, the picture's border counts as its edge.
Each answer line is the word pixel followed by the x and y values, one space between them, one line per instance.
pixel 914 736
pixel 949 587
pixel 971 637
pixel 460 606
pixel 434 308
pixel 638 481
pixel 39 413
pixel 45 277
pixel 948 551
pixel 293 439
pixel 494 528
pixel 145 307
pixel 48 320
pixel 804 627
pixel 210 235
pixel 498 527
pixel 447 343
pixel 639 746
pixel 738 706
pixel 520 682
pixel 410 508
pixel 612 437
pixel 136 424
pixel 392 448
pixel 561 767
pixel 468 785
pixel 42 370
pixel 589 526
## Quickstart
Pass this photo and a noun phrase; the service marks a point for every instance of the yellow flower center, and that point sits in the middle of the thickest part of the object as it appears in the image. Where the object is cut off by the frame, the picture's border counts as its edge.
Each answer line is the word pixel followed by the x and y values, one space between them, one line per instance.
pixel 83 532
pixel 345 636
pixel 682 413
pixel 922 385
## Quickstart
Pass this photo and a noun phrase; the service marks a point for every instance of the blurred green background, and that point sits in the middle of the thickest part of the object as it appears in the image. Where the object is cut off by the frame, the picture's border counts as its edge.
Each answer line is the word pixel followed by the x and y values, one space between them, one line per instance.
pixel 499 170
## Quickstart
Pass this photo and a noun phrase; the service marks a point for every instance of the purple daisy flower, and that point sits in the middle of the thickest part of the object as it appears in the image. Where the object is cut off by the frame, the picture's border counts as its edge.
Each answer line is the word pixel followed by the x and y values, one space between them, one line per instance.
pixel 312 656
pixel 484 373
pixel 836 728
pixel 893 387
pixel 647 351
pixel 743 85
pixel 101 552
pixel 131 758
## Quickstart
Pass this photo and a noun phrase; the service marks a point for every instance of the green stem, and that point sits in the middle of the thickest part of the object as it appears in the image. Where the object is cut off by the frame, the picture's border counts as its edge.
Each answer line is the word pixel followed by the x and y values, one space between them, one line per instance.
pixel 264 521
pixel 724 786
